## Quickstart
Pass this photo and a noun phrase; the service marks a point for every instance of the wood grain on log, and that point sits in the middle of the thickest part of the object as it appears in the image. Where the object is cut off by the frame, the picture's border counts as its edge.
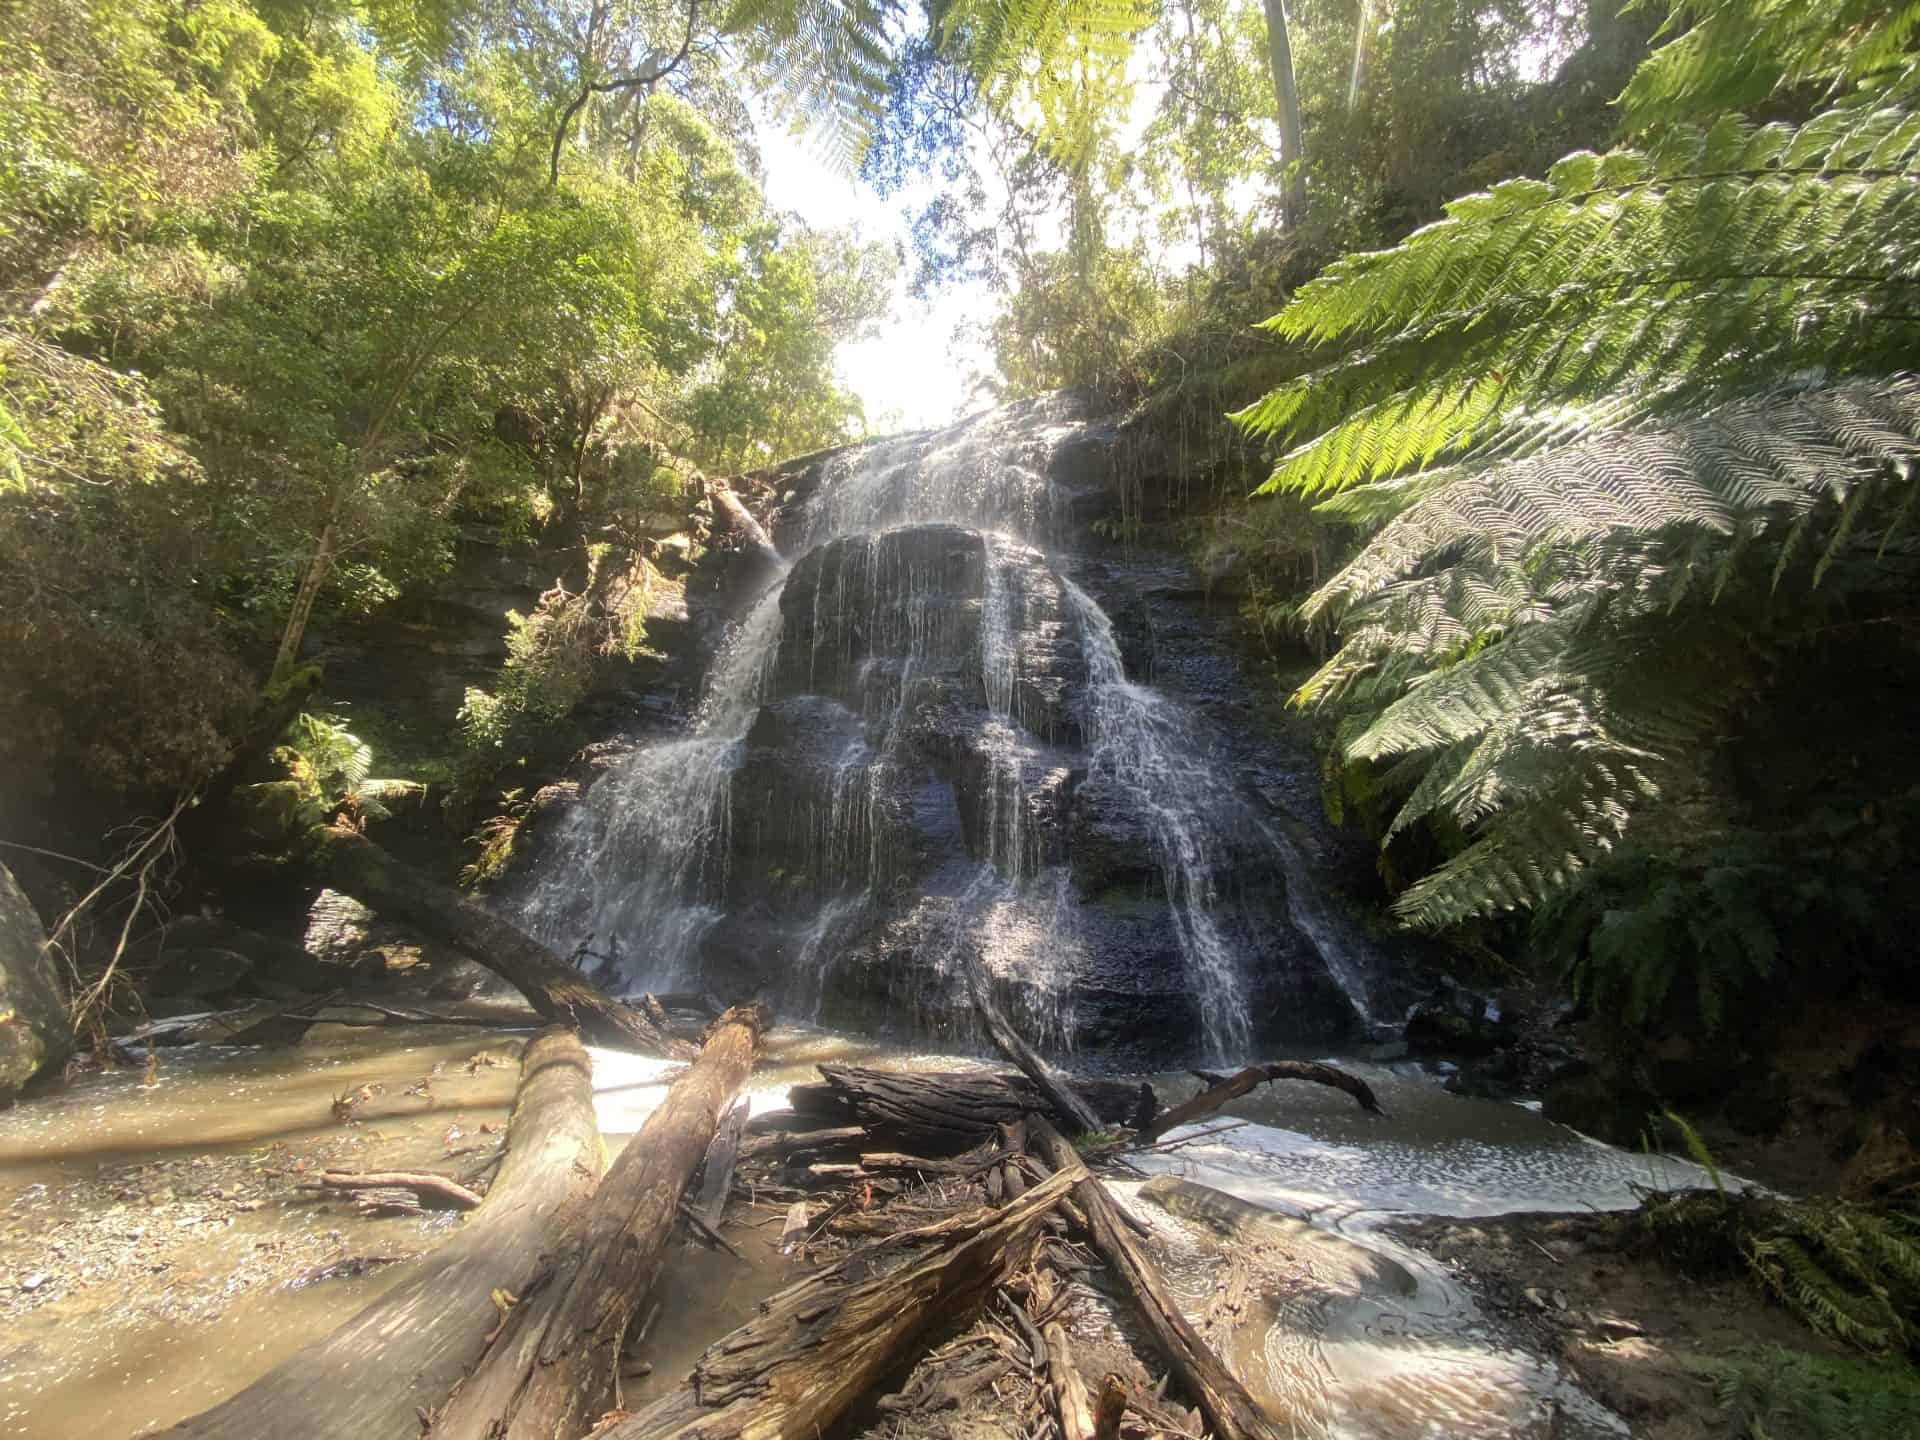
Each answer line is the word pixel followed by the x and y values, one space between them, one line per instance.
pixel 550 1374
pixel 818 1346
pixel 1226 1403
pixel 939 1112
pixel 442 1189
pixel 405 1351
pixel 1073 1406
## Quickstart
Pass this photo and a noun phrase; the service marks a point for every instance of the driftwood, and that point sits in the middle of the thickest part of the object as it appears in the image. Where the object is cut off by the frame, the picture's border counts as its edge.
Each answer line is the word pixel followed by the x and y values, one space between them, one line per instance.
pixel 818 1346
pixel 353 864
pixel 1221 1089
pixel 937 1113
pixel 372 1377
pixel 550 1374
pixel 1071 1110
pixel 442 1190
pixel 1073 1406
pixel 778 1144
pixel 716 1175
pixel 1228 1406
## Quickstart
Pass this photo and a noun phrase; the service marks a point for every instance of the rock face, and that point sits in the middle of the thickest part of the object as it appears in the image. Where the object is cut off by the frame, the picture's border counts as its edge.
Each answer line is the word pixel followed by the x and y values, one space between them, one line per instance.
pixel 34 1036
pixel 953 739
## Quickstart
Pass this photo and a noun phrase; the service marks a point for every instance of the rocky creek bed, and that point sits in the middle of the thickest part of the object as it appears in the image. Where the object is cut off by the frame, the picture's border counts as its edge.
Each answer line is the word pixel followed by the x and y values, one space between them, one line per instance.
pixel 158 1248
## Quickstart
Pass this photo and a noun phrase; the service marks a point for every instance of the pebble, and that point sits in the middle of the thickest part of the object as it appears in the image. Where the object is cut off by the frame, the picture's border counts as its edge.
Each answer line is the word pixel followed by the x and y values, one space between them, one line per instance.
pixel 34 1282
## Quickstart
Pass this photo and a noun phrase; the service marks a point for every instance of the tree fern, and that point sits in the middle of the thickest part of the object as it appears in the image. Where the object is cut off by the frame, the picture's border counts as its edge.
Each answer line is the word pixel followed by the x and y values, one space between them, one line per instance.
pixel 830 59
pixel 1732 54
pixel 1625 433
pixel 1624 286
pixel 1560 635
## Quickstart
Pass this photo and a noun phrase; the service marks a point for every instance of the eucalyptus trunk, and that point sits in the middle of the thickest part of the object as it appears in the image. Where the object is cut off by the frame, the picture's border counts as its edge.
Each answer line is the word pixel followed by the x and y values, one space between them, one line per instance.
pixel 1287 97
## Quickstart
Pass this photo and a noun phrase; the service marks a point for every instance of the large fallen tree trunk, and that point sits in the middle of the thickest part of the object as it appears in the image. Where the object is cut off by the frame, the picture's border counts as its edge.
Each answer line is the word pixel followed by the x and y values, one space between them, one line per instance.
pixel 1221 1089
pixel 939 1113
pixel 1230 1409
pixel 372 1377
pixel 349 862
pixel 816 1347
pixel 550 1374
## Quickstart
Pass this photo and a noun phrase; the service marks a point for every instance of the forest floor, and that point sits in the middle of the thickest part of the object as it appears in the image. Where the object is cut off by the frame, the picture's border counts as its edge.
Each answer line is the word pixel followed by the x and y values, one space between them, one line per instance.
pixel 1594 1292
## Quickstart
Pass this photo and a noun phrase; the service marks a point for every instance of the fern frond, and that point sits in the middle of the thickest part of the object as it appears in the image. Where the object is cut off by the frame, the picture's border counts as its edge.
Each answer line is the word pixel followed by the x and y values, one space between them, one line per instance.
pixel 827 62
pixel 1624 286
pixel 1732 54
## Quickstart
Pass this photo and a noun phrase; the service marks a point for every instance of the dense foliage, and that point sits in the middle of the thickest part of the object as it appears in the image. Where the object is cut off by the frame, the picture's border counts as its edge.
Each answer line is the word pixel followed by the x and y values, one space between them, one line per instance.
pixel 1627 443
pixel 291 289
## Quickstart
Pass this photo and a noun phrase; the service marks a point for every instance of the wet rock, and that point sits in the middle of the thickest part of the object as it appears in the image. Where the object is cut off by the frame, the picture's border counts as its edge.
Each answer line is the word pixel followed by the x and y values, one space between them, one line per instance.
pixel 1458 1024
pixel 34 1034
pixel 199 971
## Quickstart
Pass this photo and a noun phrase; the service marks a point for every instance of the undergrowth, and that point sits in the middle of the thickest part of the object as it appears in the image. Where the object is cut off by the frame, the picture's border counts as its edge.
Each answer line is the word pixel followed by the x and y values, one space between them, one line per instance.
pixel 1847 1270
pixel 1773 1393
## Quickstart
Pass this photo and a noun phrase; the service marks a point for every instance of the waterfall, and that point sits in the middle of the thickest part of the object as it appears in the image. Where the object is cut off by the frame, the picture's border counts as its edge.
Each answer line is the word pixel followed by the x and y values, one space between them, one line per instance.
pixel 888 775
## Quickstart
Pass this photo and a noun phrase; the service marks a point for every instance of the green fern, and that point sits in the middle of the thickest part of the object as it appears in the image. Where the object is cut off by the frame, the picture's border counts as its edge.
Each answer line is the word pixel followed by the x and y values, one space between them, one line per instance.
pixel 1733 54
pixel 1599 502
pixel 1770 1390
pixel 830 59
pixel 1844 1269
pixel 1623 287
pixel 324 758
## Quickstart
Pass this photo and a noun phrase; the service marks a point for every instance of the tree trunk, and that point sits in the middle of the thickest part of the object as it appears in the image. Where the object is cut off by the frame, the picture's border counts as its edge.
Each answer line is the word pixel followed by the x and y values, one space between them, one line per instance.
pixel 1069 1108
pixel 550 1375
pixel 1230 1409
pixel 1287 98
pixel 349 862
pixel 818 1346
pixel 319 566
pixel 936 1113
pixel 373 1377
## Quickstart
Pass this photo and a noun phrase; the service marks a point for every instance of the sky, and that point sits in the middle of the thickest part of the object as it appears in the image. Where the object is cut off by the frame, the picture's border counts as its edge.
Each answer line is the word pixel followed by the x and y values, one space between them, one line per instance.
pixel 911 375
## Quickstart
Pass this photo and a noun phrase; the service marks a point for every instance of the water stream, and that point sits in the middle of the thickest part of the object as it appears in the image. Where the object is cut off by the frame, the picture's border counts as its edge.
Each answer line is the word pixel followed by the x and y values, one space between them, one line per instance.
pixel 177 1304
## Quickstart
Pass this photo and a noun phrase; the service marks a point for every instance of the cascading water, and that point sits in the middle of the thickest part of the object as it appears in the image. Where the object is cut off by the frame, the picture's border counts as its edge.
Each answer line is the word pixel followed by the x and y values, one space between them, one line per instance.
pixel 920 756
pixel 1140 742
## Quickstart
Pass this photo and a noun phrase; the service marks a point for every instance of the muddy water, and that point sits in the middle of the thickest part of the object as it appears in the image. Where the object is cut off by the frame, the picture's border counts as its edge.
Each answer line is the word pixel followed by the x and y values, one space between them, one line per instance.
pixel 157 1253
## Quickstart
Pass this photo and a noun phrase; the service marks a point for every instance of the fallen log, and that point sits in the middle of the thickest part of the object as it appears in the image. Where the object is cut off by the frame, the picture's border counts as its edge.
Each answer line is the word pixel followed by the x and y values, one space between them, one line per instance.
pixel 349 862
pixel 1221 1089
pixel 1073 1406
pixel 1068 1107
pixel 942 1112
pixel 444 1189
pixel 372 1377
pixel 777 1145
pixel 1228 1406
pixel 816 1347
pixel 550 1374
